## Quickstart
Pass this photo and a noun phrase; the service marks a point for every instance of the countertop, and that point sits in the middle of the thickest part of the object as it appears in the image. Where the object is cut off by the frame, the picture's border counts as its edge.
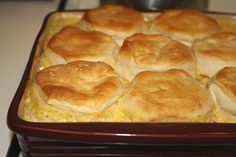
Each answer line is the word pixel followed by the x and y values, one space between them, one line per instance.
pixel 20 22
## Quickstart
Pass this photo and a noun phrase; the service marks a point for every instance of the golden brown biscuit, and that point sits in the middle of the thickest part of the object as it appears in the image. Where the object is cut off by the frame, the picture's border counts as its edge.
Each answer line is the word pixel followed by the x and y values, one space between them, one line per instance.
pixel 167 96
pixel 117 21
pixel 73 44
pixel 81 86
pixel 227 25
pixel 223 90
pixel 215 52
pixel 37 110
pixel 142 52
pixel 185 25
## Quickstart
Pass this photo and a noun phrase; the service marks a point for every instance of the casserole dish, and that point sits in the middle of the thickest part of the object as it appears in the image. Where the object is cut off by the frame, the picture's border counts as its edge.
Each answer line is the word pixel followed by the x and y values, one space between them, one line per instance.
pixel 107 138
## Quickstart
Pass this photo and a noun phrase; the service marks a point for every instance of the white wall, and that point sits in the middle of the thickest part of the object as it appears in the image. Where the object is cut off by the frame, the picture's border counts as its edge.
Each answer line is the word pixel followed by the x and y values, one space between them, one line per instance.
pixel 223 5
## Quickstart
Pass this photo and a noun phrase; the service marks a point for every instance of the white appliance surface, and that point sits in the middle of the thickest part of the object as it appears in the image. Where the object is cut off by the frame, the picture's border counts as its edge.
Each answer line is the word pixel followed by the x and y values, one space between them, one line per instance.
pixel 20 22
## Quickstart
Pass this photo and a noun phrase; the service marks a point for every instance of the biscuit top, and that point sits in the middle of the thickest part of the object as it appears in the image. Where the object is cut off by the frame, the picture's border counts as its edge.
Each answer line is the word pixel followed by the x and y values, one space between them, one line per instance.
pixel 81 85
pixel 172 93
pixel 146 50
pixel 226 79
pixel 218 46
pixel 185 24
pixel 73 44
pixel 110 18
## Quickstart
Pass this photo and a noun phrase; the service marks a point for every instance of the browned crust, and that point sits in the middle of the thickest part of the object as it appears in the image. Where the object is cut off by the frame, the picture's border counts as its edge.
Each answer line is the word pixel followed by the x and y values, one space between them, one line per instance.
pixel 170 94
pixel 220 46
pixel 117 18
pixel 226 79
pixel 185 24
pixel 73 44
pixel 79 83
pixel 156 49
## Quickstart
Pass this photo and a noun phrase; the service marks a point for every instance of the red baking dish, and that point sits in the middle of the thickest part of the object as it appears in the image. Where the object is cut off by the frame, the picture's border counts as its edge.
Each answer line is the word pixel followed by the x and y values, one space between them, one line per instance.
pixel 116 139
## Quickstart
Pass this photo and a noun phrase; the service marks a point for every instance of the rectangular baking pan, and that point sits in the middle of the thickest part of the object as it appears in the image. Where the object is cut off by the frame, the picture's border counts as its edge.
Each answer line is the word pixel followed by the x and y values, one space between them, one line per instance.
pixel 105 138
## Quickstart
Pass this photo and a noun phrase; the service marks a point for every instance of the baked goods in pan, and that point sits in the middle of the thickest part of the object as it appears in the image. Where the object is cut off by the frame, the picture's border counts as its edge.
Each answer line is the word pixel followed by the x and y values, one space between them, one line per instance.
pixel 215 52
pixel 185 25
pixel 73 44
pixel 81 78
pixel 80 86
pixel 142 52
pixel 167 96
pixel 223 90
pixel 117 21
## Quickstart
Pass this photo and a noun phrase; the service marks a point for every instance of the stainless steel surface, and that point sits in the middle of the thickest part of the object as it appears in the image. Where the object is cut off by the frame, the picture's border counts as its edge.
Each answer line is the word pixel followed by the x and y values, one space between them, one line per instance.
pixel 160 4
